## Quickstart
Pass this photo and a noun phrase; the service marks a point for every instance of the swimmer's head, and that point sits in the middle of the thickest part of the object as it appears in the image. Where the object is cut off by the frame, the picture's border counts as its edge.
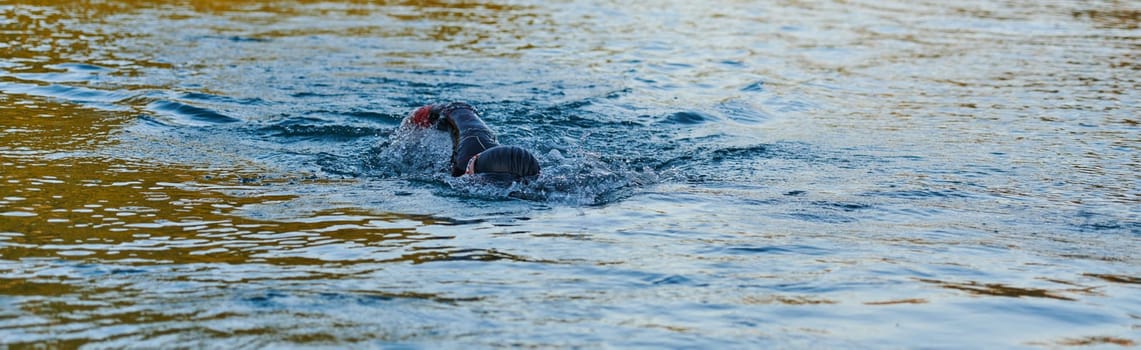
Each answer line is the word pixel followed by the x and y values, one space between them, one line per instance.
pixel 504 164
pixel 421 117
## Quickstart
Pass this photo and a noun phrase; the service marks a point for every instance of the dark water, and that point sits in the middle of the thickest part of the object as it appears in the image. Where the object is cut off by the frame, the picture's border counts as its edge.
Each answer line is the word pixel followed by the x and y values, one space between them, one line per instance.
pixel 739 174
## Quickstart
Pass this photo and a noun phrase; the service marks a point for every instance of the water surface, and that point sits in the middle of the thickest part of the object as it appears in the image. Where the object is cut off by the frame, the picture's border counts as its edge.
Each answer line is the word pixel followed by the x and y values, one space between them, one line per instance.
pixel 730 174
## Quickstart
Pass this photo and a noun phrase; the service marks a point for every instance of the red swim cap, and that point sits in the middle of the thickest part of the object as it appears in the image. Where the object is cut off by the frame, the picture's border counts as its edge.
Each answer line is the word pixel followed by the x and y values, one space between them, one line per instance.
pixel 421 117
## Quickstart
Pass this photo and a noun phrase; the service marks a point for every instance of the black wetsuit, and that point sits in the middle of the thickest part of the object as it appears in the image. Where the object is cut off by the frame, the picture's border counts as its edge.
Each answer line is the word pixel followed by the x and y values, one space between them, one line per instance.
pixel 475 151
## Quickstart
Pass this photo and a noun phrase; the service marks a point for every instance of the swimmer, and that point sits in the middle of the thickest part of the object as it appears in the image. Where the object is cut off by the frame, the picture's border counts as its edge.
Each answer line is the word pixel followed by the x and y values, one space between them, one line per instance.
pixel 475 150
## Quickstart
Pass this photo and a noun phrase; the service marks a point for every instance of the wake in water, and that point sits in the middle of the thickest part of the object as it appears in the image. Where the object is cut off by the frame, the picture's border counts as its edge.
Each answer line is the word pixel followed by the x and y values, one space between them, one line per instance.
pixel 570 175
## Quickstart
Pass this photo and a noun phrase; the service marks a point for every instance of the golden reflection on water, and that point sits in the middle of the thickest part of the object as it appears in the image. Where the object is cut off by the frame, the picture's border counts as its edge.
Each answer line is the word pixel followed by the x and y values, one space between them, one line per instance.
pixel 60 202
pixel 1002 290
pixel 60 199
pixel 51 32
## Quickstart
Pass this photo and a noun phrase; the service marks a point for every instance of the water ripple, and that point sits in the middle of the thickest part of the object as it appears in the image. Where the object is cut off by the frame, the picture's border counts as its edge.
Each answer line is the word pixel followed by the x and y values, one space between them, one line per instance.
pixel 737 174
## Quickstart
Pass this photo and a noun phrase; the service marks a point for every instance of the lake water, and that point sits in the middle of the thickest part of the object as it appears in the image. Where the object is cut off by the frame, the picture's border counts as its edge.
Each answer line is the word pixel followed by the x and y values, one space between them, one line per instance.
pixel 725 174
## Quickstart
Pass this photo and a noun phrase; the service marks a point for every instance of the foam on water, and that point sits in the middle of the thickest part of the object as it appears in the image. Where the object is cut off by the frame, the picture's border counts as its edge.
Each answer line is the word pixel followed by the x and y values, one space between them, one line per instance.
pixel 577 178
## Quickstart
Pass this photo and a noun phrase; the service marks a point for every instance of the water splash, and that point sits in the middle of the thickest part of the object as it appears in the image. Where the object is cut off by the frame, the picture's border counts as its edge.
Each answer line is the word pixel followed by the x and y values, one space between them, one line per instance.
pixel 578 177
